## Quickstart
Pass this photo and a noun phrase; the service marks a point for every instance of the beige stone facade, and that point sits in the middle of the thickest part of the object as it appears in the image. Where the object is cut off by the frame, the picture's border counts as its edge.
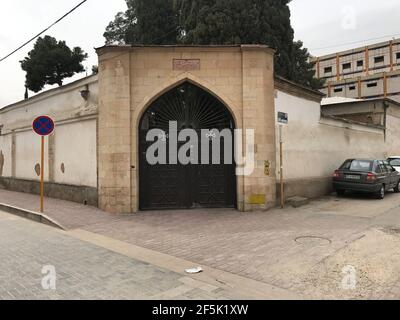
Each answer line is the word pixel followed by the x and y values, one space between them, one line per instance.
pixel 131 78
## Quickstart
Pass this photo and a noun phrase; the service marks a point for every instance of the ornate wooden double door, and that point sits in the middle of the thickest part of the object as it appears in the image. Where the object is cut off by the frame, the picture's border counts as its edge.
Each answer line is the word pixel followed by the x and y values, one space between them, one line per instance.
pixel 175 185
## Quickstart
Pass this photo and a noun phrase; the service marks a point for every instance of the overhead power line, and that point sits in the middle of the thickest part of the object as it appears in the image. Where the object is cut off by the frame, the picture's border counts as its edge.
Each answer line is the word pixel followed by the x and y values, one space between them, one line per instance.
pixel 356 42
pixel 39 34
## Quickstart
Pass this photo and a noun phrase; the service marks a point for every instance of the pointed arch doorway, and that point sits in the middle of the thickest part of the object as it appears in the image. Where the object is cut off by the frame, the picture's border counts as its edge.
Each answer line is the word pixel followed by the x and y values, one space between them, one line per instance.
pixel 179 186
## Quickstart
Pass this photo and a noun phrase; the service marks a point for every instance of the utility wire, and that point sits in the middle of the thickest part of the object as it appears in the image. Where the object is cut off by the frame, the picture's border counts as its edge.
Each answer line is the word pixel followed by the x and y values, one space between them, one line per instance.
pixel 39 34
pixel 355 42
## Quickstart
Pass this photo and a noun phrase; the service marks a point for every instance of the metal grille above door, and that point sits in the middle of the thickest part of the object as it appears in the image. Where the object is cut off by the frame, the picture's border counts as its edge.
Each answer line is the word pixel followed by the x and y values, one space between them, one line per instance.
pixel 186 186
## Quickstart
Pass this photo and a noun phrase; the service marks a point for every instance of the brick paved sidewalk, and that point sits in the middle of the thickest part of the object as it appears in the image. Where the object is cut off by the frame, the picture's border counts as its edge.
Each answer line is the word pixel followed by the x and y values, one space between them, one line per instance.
pixel 278 247
pixel 71 215
pixel 83 271
pixel 260 246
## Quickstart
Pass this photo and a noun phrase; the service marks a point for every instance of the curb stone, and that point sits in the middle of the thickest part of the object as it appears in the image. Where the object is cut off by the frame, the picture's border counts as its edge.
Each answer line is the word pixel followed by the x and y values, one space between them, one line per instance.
pixel 31 215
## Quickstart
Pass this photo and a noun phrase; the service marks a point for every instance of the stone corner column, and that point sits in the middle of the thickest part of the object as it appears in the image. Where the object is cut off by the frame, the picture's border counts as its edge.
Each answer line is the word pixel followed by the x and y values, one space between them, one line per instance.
pixel 114 134
pixel 259 114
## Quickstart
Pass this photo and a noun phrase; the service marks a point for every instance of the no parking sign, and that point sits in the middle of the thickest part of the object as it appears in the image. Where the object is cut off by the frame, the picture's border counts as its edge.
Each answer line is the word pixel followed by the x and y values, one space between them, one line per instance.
pixel 43 126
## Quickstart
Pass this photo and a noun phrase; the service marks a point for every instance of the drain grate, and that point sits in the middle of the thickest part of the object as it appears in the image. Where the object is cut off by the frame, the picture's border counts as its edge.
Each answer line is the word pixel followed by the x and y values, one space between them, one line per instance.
pixel 392 231
pixel 313 241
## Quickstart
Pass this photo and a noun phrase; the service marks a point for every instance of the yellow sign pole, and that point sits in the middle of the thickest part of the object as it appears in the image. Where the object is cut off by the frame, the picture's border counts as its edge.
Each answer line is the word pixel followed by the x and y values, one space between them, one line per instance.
pixel 42 126
pixel 42 177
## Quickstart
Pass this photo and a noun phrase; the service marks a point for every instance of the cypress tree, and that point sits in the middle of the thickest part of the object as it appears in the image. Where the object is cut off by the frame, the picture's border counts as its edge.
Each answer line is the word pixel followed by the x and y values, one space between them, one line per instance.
pixel 147 22
pixel 217 22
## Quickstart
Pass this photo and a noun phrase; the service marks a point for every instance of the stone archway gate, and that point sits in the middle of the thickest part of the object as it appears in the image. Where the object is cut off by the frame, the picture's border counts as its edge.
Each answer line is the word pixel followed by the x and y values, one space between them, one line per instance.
pixel 132 78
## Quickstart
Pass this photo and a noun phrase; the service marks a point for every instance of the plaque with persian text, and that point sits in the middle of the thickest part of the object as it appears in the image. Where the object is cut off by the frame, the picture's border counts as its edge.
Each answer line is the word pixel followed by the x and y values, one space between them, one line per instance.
pixel 186 64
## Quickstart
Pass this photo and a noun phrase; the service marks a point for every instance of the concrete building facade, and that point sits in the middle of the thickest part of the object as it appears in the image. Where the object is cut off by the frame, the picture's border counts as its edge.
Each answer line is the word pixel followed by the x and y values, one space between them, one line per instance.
pixel 363 73
pixel 95 155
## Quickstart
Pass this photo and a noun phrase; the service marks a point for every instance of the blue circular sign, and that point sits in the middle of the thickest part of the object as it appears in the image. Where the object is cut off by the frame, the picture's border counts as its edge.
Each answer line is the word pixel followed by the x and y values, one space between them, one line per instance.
pixel 43 126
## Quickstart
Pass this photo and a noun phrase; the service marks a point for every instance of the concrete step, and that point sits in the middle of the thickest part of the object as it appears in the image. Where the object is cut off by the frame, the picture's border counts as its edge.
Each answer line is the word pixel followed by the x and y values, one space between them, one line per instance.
pixel 297 202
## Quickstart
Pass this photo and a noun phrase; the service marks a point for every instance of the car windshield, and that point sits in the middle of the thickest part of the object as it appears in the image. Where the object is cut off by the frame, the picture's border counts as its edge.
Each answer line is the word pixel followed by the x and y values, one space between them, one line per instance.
pixel 358 165
pixel 395 162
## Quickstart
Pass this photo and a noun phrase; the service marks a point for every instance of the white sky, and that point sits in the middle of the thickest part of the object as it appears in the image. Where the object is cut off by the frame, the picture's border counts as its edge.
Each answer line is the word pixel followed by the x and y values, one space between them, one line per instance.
pixel 319 23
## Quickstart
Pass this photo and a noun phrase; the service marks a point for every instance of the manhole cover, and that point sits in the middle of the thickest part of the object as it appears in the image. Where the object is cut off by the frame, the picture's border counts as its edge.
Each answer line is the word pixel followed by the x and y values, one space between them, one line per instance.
pixel 392 231
pixel 313 241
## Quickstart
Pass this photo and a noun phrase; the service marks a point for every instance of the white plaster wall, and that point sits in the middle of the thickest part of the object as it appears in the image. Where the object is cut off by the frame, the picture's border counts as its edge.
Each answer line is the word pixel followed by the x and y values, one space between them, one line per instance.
pixel 75 146
pixel 393 133
pixel 75 134
pixel 5 148
pixel 315 147
pixel 27 151
pixel 61 104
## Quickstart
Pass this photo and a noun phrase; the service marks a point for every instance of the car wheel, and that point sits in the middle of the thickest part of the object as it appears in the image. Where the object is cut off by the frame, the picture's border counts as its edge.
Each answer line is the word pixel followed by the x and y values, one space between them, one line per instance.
pixel 397 188
pixel 381 193
pixel 340 193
